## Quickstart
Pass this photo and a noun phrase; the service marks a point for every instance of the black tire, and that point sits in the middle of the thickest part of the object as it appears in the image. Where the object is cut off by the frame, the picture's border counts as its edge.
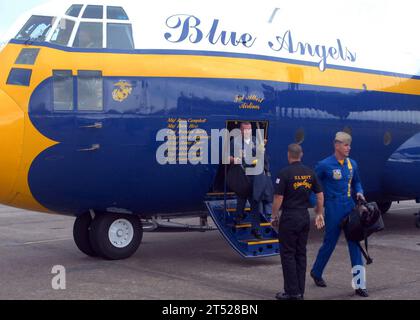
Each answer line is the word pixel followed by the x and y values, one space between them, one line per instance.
pixel 103 245
pixel 384 206
pixel 81 234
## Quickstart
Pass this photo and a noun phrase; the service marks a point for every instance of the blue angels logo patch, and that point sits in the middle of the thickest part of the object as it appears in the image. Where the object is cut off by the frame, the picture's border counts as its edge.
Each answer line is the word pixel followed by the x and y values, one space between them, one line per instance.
pixel 337 174
pixel 122 91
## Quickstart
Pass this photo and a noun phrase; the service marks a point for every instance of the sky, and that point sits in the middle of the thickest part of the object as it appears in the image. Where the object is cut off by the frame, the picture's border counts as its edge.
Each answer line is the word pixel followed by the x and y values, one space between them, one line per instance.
pixel 376 11
pixel 11 10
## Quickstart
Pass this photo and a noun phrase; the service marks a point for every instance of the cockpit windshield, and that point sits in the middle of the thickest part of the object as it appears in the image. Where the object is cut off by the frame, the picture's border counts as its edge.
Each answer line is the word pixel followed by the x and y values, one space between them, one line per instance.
pixel 36 29
pixel 82 26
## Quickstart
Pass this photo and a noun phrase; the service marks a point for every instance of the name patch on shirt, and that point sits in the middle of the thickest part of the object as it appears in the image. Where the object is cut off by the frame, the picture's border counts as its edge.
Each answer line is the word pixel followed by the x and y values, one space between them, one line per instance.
pixel 337 174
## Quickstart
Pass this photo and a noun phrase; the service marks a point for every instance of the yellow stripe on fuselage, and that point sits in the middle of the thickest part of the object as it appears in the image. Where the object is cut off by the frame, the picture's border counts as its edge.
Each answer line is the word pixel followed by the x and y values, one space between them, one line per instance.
pixel 163 65
pixel 190 66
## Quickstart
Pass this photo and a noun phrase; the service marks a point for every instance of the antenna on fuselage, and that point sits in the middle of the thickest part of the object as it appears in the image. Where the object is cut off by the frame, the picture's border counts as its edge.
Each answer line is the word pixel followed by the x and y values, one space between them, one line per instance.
pixel 273 15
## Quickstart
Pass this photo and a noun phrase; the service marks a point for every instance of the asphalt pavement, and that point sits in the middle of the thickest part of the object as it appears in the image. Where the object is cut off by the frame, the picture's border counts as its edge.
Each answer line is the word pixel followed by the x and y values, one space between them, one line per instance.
pixel 192 266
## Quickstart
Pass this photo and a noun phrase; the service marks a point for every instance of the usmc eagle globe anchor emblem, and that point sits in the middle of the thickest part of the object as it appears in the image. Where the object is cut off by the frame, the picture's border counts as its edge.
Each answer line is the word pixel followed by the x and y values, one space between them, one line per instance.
pixel 122 91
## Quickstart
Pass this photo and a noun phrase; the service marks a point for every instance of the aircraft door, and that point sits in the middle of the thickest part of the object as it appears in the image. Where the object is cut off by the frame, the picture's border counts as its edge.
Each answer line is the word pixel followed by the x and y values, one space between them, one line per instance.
pixel 263 125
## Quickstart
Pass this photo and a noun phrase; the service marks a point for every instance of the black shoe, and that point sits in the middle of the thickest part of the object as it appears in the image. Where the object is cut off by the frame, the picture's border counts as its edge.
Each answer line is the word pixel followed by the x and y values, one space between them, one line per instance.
pixel 362 292
pixel 318 281
pixel 285 296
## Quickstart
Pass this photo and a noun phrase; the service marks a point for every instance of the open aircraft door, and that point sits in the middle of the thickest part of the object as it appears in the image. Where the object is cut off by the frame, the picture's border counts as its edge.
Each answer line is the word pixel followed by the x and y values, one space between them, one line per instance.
pixel 221 205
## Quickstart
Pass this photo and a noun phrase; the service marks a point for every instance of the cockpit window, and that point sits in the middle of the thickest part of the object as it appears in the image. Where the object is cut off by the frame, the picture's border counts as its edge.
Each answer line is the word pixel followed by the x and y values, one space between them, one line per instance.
pixel 36 29
pixel 27 56
pixel 111 28
pixel 89 35
pixel 19 77
pixel 74 10
pixel 63 32
pixel 94 12
pixel 116 13
pixel 120 36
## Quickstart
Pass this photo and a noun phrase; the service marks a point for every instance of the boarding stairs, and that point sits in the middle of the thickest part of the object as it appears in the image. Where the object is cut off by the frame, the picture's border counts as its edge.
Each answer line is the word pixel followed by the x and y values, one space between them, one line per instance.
pixel 222 208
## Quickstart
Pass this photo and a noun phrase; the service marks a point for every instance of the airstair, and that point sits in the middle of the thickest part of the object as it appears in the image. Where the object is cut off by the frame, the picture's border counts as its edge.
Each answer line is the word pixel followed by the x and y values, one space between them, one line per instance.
pixel 222 209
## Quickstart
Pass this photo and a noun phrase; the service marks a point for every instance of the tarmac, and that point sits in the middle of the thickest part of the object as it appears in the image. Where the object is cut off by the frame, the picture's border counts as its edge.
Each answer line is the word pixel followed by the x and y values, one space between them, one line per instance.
pixel 193 266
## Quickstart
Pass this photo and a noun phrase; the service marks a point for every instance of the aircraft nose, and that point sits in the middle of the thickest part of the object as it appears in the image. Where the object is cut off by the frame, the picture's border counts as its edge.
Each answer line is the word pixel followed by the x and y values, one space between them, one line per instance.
pixel 11 143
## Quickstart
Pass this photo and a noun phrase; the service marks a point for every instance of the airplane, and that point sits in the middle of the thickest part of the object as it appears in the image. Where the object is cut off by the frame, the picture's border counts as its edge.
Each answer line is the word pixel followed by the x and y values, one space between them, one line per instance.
pixel 86 86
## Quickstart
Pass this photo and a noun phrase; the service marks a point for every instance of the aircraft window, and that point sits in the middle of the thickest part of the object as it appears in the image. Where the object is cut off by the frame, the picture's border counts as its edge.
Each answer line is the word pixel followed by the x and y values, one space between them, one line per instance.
pixel 120 36
pixel 74 10
pixel 36 28
pixel 63 90
pixel 89 35
pixel 90 90
pixel 93 12
pixel 116 13
pixel 63 32
pixel 27 56
pixel 19 77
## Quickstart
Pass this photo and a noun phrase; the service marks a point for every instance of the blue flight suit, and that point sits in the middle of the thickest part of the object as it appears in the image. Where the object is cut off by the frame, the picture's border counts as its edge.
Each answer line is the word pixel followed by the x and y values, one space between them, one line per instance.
pixel 338 180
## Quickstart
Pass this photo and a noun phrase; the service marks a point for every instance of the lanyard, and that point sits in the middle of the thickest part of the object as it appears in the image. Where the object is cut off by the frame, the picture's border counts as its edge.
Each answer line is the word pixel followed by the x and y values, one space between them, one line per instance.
pixel 350 167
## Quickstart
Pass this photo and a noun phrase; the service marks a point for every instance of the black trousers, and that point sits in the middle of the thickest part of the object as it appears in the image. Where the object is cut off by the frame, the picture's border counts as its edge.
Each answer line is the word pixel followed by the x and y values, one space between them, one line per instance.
pixel 293 237
pixel 254 213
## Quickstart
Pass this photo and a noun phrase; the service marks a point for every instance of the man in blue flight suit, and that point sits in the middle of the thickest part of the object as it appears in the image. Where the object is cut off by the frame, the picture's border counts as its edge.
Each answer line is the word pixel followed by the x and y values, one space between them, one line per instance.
pixel 339 176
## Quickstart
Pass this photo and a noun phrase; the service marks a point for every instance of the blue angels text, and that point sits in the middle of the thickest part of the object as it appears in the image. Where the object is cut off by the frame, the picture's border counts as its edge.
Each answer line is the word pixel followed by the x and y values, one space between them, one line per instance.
pixel 189 28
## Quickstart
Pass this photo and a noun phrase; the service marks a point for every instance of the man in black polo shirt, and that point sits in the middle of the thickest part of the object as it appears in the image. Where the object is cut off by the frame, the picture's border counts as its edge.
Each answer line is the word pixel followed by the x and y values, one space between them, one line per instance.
pixel 293 188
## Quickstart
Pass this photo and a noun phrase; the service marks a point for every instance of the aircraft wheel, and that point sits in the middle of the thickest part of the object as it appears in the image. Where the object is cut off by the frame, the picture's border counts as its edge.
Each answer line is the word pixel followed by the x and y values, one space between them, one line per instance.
pixel 81 234
pixel 115 236
pixel 384 206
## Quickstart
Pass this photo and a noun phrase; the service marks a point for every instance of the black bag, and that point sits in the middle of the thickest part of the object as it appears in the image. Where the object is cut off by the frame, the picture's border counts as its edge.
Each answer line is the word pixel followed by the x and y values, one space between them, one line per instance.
pixel 364 220
pixel 372 219
pixel 238 182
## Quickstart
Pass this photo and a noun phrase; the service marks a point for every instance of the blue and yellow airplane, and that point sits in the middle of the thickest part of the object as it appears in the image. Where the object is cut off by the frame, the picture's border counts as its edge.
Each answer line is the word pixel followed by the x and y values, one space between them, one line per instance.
pixel 86 86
